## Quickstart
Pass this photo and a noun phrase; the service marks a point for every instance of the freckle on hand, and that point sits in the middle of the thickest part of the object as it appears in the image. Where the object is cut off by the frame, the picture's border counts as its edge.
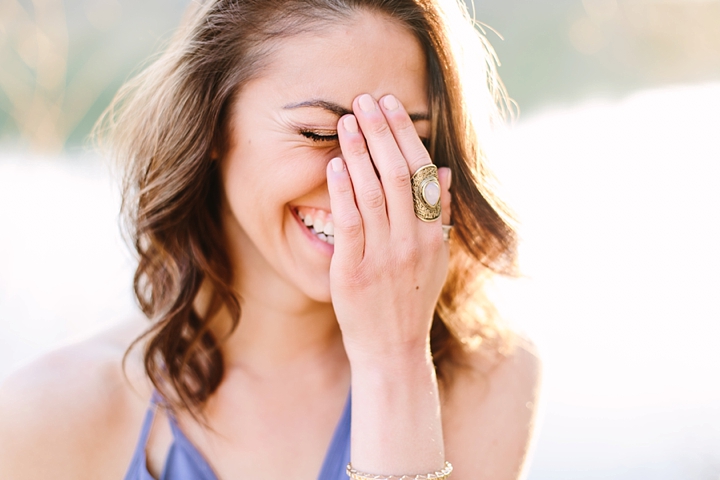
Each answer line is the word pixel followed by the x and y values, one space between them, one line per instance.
pixel 417 287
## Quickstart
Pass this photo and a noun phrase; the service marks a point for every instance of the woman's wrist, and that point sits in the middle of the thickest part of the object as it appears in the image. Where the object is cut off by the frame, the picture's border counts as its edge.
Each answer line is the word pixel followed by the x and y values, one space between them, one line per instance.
pixel 382 353
pixel 394 365
pixel 397 423
pixel 409 375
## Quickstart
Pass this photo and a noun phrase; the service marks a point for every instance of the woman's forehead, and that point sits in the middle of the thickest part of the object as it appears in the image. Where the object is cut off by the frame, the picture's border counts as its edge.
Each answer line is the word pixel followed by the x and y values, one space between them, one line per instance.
pixel 366 53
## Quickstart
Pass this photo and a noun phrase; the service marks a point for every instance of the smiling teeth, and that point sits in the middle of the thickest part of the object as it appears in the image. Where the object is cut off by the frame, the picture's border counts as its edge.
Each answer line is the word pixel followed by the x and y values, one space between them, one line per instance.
pixel 319 222
pixel 328 238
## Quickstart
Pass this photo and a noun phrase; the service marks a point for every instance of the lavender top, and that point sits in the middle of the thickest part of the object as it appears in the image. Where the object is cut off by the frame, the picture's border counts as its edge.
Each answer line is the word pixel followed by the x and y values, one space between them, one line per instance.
pixel 185 462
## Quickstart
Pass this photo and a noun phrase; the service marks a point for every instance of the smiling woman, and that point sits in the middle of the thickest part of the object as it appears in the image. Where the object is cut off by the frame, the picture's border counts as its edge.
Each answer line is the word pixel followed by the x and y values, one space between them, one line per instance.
pixel 273 173
pixel 293 170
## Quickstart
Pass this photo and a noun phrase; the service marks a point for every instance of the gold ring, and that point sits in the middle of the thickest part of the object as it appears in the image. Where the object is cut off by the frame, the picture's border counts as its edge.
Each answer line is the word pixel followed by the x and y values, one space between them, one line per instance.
pixel 426 193
pixel 446 232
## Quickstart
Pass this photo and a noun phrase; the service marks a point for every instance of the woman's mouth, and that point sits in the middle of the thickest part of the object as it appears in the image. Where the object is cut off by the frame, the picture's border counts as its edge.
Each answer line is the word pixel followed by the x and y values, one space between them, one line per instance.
pixel 319 222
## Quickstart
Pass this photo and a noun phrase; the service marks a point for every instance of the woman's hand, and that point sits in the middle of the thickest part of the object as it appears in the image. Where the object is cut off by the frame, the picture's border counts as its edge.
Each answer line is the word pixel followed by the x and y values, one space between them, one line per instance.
pixel 388 266
pixel 385 278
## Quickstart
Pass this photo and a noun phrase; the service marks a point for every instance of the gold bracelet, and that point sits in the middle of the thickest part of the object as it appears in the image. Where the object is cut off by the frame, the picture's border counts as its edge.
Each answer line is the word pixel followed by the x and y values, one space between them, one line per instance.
pixel 443 474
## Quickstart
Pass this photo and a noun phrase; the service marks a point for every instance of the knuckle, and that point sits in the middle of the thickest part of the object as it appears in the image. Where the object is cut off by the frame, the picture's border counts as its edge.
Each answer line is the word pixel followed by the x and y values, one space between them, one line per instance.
pixel 421 155
pixel 373 198
pixel 357 148
pixel 404 125
pixel 400 177
pixel 349 222
pixel 358 277
pixel 379 128
pixel 353 230
pixel 409 254
pixel 343 187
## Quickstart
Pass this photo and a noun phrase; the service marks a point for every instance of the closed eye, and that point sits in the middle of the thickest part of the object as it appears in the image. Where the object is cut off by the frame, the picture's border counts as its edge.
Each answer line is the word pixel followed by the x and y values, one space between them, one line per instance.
pixel 320 136
pixel 332 136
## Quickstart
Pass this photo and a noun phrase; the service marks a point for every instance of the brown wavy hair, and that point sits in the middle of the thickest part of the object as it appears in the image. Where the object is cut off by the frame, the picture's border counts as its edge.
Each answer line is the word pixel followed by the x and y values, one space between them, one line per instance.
pixel 165 127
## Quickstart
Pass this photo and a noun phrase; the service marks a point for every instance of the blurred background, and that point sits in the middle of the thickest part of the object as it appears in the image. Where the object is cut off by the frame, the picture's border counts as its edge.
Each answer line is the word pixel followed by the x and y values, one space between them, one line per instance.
pixel 613 166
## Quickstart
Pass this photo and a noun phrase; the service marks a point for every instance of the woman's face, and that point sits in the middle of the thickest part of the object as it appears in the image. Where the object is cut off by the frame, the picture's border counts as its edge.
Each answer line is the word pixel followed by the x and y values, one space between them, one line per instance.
pixel 283 134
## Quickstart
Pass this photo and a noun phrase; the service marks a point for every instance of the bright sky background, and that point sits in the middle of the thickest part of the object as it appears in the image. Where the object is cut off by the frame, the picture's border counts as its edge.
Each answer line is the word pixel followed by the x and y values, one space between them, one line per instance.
pixel 620 211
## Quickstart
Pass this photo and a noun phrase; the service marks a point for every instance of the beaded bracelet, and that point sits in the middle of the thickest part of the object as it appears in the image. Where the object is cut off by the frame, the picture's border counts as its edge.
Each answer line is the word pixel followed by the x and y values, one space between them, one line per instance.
pixel 443 474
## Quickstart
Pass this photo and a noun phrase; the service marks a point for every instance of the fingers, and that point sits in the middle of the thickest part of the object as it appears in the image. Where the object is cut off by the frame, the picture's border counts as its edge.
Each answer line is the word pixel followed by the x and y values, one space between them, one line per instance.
pixel 387 159
pixel 416 156
pixel 349 235
pixel 367 187
pixel 404 133
pixel 445 177
pixel 380 139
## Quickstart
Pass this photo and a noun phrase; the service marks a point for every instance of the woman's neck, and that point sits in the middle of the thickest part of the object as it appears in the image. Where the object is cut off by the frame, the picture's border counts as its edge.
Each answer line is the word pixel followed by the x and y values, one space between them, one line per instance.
pixel 280 328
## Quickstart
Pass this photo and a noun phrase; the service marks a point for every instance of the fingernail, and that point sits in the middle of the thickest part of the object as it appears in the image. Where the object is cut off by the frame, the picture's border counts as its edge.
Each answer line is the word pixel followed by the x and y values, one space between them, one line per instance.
pixel 337 164
pixel 390 102
pixel 350 124
pixel 367 104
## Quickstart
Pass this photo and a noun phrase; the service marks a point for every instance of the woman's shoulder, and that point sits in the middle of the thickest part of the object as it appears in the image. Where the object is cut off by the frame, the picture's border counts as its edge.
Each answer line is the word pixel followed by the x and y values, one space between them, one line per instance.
pixel 492 408
pixel 74 413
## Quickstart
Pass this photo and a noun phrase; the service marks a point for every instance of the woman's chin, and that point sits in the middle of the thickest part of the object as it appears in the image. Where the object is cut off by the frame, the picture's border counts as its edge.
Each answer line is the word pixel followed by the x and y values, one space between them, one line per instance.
pixel 318 292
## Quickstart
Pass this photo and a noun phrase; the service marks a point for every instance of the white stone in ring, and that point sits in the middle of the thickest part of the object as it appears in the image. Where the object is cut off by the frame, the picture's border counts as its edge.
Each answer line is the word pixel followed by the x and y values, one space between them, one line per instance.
pixel 431 193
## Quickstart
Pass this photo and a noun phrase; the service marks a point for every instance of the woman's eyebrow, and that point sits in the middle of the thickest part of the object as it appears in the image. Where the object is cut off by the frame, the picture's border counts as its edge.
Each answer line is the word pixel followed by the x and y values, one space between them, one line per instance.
pixel 340 110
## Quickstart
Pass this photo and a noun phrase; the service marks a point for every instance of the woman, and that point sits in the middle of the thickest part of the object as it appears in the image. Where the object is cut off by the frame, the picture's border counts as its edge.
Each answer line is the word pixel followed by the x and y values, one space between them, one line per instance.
pixel 312 314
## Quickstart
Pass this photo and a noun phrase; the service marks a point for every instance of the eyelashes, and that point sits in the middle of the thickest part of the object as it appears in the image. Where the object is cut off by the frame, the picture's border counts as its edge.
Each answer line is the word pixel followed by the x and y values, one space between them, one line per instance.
pixel 320 136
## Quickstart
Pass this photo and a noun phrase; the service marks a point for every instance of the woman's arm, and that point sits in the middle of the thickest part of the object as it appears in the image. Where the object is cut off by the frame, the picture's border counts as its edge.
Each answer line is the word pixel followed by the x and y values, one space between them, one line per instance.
pixel 386 275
